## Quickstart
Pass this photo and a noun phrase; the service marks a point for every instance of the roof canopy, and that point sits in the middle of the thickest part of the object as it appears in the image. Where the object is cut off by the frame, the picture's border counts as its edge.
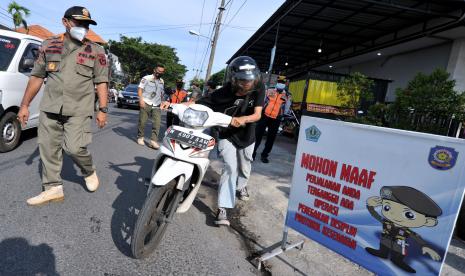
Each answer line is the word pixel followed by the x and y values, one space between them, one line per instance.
pixel 344 29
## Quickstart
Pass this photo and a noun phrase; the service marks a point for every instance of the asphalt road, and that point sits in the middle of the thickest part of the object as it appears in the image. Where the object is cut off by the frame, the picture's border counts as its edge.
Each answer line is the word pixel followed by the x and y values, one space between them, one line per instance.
pixel 89 233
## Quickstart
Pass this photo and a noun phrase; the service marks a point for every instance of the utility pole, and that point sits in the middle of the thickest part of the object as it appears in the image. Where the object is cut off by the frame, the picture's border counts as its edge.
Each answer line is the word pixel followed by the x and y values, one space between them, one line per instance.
pixel 215 39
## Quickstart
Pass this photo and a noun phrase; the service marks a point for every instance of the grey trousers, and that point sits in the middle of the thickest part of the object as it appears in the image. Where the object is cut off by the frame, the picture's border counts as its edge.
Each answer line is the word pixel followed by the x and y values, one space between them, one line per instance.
pixel 236 171
pixel 57 133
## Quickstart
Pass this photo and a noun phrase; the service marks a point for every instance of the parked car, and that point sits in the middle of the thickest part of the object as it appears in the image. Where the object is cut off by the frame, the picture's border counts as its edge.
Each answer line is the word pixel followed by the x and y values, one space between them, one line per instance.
pixel 17 54
pixel 128 97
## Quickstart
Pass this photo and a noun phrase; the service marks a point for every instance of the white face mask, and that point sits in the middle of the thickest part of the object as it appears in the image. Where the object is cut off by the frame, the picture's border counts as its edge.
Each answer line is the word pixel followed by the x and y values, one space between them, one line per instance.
pixel 78 33
pixel 280 86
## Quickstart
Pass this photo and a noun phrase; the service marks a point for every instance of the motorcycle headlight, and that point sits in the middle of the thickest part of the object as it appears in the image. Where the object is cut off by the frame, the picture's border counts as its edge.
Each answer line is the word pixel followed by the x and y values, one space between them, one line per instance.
pixel 194 118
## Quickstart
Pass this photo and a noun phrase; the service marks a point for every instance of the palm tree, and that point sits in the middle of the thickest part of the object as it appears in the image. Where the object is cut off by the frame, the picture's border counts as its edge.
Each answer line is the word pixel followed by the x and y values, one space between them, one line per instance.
pixel 18 13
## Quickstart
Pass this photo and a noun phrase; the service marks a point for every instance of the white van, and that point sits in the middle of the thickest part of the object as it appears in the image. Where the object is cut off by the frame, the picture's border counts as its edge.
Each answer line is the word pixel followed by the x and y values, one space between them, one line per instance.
pixel 17 54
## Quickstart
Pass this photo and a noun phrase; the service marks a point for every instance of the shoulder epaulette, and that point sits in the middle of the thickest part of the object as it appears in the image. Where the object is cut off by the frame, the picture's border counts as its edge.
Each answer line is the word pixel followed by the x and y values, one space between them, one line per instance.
pixel 60 36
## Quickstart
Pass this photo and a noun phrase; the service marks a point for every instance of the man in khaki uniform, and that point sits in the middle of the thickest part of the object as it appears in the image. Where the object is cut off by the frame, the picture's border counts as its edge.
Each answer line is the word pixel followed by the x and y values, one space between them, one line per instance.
pixel 72 66
pixel 151 91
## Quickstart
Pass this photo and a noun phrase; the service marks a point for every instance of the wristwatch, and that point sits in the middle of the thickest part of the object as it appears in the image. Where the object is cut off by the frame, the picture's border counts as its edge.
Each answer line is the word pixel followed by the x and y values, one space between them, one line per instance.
pixel 103 109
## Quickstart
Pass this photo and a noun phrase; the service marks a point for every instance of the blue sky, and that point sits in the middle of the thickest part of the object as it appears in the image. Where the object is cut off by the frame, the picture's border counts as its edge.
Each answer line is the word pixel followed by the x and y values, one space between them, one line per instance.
pixel 165 22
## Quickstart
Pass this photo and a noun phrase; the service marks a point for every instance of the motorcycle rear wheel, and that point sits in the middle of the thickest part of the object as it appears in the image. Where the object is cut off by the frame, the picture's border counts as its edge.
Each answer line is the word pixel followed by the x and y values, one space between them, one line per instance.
pixel 153 218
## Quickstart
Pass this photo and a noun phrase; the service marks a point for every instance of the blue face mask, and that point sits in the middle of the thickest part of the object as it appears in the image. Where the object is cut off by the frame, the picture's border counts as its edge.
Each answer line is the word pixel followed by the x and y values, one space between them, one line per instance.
pixel 280 86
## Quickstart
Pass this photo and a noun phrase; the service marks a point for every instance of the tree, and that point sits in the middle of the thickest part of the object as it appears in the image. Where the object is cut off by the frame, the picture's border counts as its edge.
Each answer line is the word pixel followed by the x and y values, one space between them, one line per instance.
pixel 218 77
pixel 428 103
pixel 18 13
pixel 138 58
pixel 354 89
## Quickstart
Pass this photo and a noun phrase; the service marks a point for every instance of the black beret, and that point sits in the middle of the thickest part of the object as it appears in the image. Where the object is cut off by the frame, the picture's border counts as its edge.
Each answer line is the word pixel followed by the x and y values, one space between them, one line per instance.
pixel 412 198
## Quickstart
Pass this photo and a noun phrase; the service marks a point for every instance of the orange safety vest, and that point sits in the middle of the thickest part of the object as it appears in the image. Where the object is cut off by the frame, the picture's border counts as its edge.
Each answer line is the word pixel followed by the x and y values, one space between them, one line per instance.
pixel 275 102
pixel 178 96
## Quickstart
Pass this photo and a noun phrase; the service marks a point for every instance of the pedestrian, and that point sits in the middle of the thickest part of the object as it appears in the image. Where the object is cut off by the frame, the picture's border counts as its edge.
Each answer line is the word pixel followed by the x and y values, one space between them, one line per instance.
pixel 72 65
pixel 114 93
pixel 276 103
pixel 211 86
pixel 151 90
pixel 179 95
pixel 196 92
pixel 242 97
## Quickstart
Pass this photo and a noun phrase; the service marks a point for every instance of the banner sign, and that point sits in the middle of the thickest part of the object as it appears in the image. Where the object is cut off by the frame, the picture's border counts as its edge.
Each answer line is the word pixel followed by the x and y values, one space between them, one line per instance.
pixel 330 109
pixel 386 199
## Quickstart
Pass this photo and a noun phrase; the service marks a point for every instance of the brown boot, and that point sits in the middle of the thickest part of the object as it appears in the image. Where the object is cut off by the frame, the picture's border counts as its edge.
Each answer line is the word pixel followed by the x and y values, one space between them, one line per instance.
pixel 53 194
pixel 92 182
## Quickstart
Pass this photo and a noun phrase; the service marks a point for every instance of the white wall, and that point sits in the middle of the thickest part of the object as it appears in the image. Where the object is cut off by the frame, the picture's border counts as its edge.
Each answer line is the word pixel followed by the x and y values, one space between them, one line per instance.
pixel 456 66
pixel 401 68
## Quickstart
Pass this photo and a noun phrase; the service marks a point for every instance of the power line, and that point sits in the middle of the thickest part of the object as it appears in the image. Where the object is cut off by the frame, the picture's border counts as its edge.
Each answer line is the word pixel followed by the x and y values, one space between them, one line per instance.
pixel 228 9
pixel 243 3
pixel 6 14
pixel 151 26
pixel 240 28
pixel 208 46
pixel 198 37
pixel 43 16
pixel 209 37
pixel 152 30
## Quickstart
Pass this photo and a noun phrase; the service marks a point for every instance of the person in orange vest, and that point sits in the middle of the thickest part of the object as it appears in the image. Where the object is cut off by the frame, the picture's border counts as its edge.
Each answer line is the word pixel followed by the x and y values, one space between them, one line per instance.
pixel 178 95
pixel 275 106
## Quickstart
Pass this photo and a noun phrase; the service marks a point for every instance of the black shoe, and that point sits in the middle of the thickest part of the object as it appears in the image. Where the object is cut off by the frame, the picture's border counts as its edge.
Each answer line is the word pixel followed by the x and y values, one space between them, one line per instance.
pixel 398 260
pixel 265 159
pixel 378 253
pixel 221 217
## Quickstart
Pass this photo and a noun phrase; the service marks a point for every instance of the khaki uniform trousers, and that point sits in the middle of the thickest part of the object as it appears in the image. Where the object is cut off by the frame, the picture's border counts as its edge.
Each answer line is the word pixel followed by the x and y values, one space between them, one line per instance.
pixel 58 133
pixel 154 113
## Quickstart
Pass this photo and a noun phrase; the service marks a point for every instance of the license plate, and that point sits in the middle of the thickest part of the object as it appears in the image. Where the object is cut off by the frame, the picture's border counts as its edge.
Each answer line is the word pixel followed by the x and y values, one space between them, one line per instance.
pixel 131 101
pixel 189 139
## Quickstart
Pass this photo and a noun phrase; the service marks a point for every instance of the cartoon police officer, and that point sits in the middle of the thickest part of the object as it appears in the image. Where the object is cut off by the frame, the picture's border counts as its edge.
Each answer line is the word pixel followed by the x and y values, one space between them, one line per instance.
pixel 403 208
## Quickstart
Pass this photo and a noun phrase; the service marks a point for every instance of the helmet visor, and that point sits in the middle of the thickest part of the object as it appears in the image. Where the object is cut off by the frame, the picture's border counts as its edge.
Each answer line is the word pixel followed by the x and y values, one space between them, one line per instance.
pixel 245 75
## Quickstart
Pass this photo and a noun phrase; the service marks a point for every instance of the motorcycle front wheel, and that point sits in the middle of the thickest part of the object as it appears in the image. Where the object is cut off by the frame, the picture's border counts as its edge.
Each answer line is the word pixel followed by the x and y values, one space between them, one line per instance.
pixel 153 218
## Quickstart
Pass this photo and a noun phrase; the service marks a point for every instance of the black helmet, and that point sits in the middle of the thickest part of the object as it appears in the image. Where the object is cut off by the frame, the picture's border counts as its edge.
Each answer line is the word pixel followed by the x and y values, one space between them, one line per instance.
pixel 243 68
pixel 211 83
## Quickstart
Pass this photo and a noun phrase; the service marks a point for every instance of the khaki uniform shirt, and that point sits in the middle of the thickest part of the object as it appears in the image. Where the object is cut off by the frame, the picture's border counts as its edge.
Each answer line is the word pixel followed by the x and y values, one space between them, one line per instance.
pixel 72 69
pixel 152 90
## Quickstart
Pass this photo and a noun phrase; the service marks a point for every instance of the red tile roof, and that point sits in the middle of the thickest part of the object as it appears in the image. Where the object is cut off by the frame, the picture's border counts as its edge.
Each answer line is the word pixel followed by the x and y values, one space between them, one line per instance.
pixel 39 31
pixel 36 30
pixel 92 36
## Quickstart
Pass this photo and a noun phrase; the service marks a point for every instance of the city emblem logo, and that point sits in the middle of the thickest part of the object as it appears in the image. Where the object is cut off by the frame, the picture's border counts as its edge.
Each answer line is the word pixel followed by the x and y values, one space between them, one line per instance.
pixel 442 158
pixel 312 134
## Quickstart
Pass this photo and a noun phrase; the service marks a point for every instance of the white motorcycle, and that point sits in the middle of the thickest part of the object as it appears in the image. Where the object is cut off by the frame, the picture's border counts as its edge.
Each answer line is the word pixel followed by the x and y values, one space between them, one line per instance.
pixel 179 168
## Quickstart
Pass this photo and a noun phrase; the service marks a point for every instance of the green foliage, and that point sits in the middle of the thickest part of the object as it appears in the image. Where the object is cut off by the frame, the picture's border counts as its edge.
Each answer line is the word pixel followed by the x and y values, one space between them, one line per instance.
pixel 376 115
pixel 218 77
pixel 18 13
pixel 138 59
pixel 427 104
pixel 354 89
pixel 433 94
